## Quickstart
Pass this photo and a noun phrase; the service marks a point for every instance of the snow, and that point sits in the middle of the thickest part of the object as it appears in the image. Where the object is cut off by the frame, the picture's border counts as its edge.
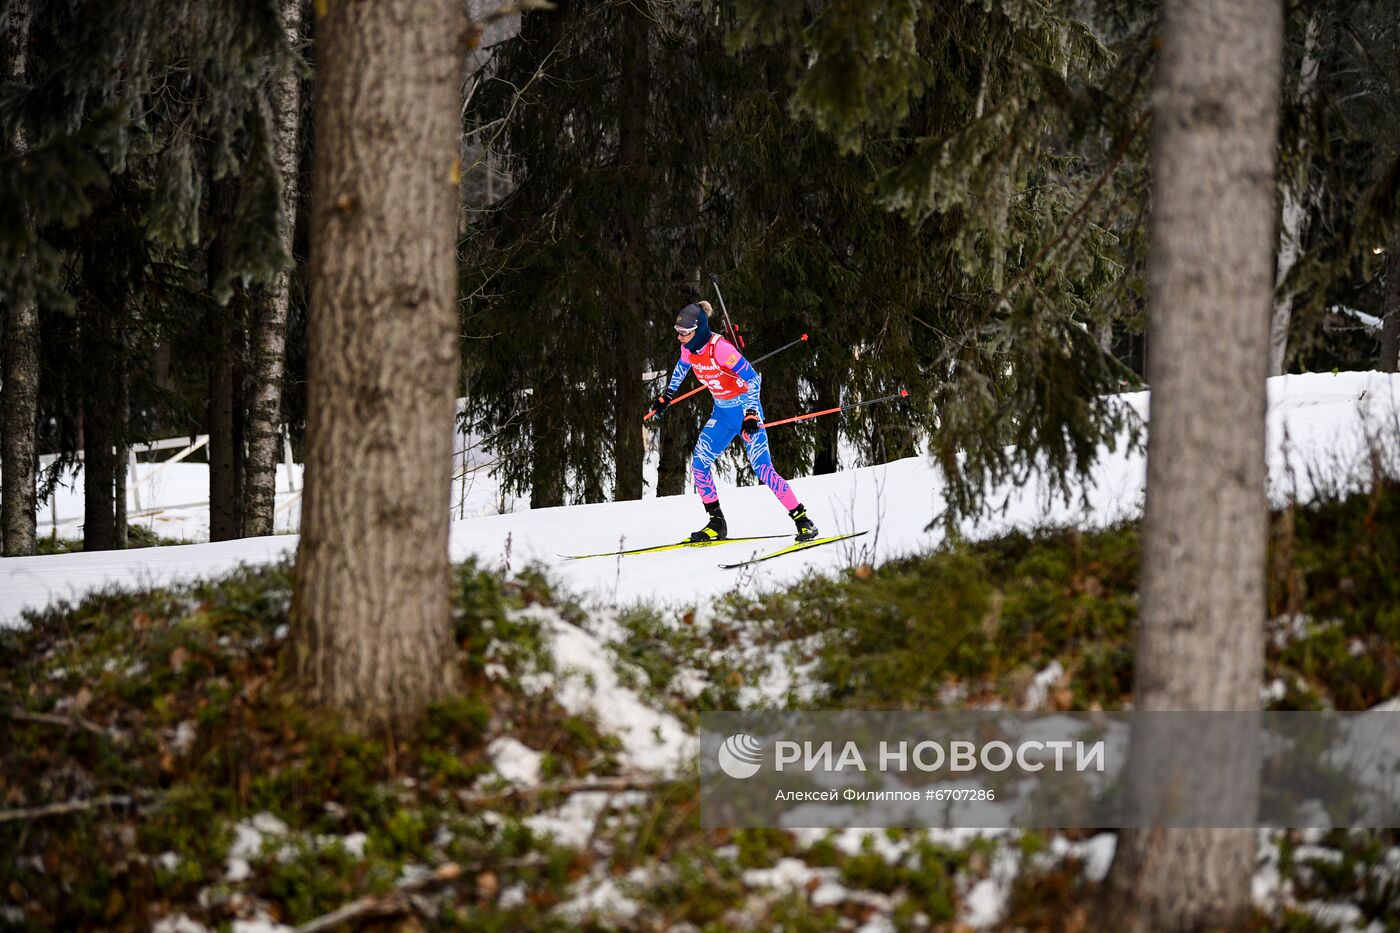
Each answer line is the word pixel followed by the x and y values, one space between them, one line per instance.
pixel 1039 690
pixel 571 823
pixel 248 844
pixel 260 926
pixel 587 682
pixel 515 761
pixel 1368 321
pixel 984 904
pixel 1316 424
pixel 598 898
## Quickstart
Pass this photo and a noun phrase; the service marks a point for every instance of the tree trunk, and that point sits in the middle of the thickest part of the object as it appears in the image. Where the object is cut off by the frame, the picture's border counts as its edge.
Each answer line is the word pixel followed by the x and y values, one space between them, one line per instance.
pixel 1390 327
pixel 102 357
pixel 269 339
pixel 1103 336
pixel 1202 588
pixel 224 517
pixel 628 389
pixel 1293 224
pixel 123 455
pixel 676 443
pixel 372 602
pixel 223 491
pixel 827 458
pixel 21 364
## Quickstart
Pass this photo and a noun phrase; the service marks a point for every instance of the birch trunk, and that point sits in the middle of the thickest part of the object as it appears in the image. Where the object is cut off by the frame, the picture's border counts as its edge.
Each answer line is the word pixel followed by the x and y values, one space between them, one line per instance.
pixel 1293 224
pixel 372 633
pixel 269 340
pixel 20 414
pixel 1200 641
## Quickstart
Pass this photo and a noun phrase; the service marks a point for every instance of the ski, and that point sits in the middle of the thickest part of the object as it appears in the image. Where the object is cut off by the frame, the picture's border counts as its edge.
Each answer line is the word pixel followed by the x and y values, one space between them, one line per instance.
pixel 816 542
pixel 671 547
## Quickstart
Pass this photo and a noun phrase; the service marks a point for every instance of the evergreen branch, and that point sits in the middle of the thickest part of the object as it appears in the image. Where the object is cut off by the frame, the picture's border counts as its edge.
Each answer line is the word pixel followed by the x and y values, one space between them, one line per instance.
pixel 1073 222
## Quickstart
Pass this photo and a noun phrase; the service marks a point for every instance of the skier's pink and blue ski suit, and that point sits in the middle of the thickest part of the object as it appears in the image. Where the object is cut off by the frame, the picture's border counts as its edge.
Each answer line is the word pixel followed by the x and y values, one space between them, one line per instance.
pixel 735 384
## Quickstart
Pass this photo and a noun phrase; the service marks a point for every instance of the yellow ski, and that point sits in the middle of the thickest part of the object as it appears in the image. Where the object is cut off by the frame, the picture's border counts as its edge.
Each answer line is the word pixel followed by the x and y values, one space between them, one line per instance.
pixel 802 546
pixel 670 547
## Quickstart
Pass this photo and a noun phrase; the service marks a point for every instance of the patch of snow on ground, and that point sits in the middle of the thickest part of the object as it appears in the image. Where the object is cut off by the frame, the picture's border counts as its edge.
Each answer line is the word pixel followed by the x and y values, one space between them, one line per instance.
pixel 984 904
pixel 571 823
pixel 588 683
pixel 515 761
pixel 1096 853
pixel 1039 690
pixel 176 923
pixel 261 925
pixel 598 898
pixel 248 842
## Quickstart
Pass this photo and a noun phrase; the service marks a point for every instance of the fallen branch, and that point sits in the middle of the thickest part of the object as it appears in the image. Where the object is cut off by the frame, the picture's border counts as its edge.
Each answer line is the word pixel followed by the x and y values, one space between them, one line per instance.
pixel 57 719
pixel 72 806
pixel 397 901
pixel 606 785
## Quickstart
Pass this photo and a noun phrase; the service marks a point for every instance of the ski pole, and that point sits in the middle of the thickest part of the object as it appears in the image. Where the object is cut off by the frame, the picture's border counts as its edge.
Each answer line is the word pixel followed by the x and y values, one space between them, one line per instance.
pixel 714 280
pixel 680 398
pixel 831 411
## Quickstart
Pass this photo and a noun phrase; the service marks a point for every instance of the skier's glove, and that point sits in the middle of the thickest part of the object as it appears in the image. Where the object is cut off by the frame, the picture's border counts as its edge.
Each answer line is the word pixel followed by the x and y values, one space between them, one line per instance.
pixel 750 426
pixel 659 406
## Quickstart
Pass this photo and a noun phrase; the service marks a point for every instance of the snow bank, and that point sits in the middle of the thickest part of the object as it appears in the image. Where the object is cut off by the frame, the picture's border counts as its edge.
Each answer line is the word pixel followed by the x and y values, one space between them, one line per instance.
pixel 1316 421
pixel 587 682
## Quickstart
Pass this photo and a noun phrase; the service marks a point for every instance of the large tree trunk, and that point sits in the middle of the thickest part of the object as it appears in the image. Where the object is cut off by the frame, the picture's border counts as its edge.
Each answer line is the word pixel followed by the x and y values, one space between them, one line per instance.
pixel 269 339
pixel 1202 589
pixel 102 357
pixel 372 603
pixel 1293 224
pixel 21 364
pixel 1390 327
pixel 628 389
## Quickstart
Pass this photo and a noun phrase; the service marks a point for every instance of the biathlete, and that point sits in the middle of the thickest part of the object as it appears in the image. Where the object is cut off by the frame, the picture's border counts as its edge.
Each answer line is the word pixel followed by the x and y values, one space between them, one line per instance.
pixel 734 383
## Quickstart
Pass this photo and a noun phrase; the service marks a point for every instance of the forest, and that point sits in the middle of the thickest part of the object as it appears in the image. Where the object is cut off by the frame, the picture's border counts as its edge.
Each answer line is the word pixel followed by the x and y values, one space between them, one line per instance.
pixel 400 280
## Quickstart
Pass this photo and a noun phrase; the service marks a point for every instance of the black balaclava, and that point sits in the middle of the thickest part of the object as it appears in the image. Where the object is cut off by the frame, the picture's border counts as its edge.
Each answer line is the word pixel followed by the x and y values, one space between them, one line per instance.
pixel 694 315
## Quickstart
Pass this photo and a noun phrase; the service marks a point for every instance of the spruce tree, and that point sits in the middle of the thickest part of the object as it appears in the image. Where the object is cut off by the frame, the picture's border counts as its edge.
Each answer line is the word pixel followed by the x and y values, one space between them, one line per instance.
pixel 144 107
pixel 961 104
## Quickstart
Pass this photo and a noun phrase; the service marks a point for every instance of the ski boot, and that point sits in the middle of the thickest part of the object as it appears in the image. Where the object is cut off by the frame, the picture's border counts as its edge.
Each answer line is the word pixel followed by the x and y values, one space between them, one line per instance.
pixel 806 530
pixel 716 530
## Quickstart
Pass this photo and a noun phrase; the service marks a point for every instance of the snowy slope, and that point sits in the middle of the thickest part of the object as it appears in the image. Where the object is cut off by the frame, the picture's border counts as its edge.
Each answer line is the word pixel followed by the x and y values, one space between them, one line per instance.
pixel 1316 422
